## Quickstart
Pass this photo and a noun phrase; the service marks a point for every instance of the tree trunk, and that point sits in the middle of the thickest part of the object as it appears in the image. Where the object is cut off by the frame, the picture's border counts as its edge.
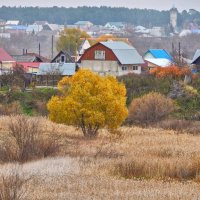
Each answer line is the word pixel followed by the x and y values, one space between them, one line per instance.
pixel 90 132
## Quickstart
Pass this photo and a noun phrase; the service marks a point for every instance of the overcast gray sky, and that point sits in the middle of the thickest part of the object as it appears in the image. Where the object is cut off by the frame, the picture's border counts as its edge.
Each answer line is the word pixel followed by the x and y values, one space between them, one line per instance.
pixel 154 4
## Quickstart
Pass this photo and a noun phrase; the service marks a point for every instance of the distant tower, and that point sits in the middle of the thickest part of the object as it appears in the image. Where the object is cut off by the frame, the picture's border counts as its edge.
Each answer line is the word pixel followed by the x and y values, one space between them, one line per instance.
pixel 173 17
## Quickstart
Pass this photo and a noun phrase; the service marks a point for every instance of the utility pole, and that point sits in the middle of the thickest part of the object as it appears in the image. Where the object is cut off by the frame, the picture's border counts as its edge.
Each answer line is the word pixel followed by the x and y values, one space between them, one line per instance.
pixel 52 40
pixel 1 73
pixel 39 49
pixel 173 50
pixel 179 52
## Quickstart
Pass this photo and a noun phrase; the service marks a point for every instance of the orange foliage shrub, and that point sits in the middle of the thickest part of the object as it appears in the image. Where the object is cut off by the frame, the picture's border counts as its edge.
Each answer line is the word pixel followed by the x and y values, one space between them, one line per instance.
pixel 171 71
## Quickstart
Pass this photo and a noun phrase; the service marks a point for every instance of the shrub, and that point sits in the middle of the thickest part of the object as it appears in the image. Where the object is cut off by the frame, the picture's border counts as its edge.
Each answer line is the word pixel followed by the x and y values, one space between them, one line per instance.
pixel 159 169
pixel 180 126
pixel 139 85
pixel 150 108
pixel 41 108
pixel 26 140
pixel 171 72
pixel 12 185
pixel 11 108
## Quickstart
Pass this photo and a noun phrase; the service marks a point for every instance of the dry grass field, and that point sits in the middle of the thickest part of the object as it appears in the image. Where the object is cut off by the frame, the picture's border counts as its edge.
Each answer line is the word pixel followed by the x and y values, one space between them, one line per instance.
pixel 133 163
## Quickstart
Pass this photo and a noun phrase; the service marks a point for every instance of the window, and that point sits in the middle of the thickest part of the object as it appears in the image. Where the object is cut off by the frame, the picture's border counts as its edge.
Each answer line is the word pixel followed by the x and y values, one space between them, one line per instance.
pixel 135 68
pixel 63 58
pixel 124 68
pixel 99 55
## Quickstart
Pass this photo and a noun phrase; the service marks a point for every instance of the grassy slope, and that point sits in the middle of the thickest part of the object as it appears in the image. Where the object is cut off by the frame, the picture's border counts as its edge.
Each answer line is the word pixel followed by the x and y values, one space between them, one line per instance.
pixel 166 165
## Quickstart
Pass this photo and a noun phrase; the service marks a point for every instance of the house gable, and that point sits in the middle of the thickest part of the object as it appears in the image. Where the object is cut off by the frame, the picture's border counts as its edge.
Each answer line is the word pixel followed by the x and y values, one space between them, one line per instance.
pixel 90 53
pixel 157 53
pixel 197 61
pixel 63 57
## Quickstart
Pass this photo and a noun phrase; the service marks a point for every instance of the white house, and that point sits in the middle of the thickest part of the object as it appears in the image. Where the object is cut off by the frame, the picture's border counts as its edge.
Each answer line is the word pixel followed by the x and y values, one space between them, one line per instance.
pixel 116 26
pixel 112 58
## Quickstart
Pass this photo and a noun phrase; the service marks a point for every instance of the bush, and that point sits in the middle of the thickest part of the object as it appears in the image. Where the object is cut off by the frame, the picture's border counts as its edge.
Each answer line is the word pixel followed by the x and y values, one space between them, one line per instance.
pixel 12 185
pixel 159 169
pixel 180 126
pixel 174 72
pixel 11 108
pixel 139 85
pixel 150 108
pixel 26 140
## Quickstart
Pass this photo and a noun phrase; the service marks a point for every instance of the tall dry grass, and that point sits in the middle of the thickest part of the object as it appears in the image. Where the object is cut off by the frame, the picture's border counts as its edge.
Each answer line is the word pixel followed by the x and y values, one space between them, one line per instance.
pixel 135 163
pixel 13 185
pixel 25 140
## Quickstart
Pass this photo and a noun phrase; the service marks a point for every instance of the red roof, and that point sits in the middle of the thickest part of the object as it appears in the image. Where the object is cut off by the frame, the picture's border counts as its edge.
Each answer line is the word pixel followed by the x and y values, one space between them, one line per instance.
pixel 5 57
pixel 29 64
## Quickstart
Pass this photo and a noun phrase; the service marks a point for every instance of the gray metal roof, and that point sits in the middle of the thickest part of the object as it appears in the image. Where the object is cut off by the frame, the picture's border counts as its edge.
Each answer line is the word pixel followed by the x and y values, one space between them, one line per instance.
pixel 24 58
pixel 65 69
pixel 196 56
pixel 125 53
pixel 117 45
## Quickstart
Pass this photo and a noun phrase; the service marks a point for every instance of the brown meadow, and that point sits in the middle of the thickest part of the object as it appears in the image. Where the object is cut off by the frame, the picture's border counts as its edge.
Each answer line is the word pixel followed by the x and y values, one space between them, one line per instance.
pixel 132 163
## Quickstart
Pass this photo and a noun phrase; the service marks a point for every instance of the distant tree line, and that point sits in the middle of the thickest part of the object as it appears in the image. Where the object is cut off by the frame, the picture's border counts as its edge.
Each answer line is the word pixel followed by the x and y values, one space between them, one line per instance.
pixel 97 15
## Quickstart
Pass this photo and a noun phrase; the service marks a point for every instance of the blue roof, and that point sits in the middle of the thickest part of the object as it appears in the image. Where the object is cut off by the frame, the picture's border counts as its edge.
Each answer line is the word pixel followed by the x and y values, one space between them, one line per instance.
pixel 16 27
pixel 160 53
pixel 197 31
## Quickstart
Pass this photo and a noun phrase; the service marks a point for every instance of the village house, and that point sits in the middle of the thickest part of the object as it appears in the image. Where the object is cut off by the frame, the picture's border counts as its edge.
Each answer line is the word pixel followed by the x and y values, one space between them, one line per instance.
pixel 83 47
pixel 159 62
pixel 63 57
pixel 15 29
pixel 34 29
pixel 196 61
pixel 12 22
pixel 30 62
pixel 157 58
pixel 116 26
pixel 50 74
pixel 6 62
pixel 114 58
pixel 2 25
pixel 84 25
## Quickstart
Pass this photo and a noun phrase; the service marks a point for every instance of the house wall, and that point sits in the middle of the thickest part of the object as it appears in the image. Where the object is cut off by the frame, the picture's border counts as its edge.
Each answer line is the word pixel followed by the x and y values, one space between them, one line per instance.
pixel 151 65
pixel 108 67
pixel 7 65
pixel 148 55
pixel 101 67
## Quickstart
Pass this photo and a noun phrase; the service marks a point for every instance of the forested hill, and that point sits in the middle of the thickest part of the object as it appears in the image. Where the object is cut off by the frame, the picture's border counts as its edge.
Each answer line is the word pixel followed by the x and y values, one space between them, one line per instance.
pixel 97 15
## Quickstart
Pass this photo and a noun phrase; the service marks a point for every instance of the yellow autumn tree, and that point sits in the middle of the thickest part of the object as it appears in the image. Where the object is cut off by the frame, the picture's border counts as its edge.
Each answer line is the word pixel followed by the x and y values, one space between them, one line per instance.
pixel 89 102
pixel 110 37
pixel 70 39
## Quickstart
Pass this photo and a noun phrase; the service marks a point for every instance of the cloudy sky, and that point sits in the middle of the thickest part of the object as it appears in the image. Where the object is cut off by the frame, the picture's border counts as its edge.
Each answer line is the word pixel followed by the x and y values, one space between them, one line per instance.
pixel 155 4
